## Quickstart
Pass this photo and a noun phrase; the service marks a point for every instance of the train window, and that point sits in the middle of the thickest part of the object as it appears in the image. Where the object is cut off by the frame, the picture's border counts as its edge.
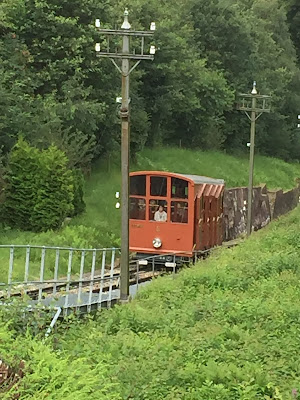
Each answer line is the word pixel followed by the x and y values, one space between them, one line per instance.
pixel 179 188
pixel 137 208
pixel 154 205
pixel 158 186
pixel 179 211
pixel 138 185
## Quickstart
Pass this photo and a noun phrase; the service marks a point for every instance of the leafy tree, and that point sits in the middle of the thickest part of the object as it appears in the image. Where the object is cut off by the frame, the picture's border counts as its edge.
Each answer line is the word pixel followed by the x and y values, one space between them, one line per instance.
pixel 250 41
pixel 293 18
pixel 63 73
pixel 54 90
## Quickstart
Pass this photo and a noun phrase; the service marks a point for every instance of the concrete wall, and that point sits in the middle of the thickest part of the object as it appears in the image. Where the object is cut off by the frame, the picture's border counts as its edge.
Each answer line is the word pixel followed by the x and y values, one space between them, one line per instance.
pixel 267 205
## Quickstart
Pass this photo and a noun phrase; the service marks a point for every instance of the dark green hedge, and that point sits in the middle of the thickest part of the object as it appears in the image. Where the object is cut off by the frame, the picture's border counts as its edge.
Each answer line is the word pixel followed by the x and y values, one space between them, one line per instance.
pixel 41 190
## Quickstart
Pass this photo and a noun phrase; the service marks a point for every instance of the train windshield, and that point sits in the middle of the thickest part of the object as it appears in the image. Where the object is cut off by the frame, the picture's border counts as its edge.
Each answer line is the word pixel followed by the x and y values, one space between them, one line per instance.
pixel 158 198
pixel 179 188
pixel 158 186
pixel 179 212
pixel 158 210
pixel 137 208
pixel 138 185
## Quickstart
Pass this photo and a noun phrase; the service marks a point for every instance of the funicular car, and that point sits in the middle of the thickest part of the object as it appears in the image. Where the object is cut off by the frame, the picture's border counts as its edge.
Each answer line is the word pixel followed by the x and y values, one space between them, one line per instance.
pixel 191 215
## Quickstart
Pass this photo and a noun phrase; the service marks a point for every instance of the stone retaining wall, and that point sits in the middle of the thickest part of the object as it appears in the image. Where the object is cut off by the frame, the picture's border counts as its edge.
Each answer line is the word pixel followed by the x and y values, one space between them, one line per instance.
pixel 284 201
pixel 267 205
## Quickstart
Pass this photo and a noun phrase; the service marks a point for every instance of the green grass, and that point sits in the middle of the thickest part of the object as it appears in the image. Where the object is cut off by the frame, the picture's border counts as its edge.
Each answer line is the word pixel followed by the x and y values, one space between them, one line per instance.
pixel 99 225
pixel 101 187
pixel 234 170
pixel 226 329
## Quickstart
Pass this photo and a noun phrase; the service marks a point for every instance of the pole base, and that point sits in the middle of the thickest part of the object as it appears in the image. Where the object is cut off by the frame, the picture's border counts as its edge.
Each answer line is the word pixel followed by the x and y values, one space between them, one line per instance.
pixel 124 300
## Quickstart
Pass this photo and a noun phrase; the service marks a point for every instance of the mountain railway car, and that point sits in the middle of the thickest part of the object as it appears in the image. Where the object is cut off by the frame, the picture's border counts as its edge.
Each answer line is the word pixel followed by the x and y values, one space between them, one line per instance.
pixel 174 214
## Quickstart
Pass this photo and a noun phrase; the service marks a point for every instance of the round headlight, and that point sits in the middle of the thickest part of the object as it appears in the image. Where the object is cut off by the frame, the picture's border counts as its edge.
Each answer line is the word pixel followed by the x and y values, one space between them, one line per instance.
pixel 157 243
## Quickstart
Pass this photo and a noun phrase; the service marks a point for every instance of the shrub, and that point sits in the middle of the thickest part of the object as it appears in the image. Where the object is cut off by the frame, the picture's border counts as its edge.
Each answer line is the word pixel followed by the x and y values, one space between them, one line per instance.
pixel 40 188
pixel 55 194
pixel 22 185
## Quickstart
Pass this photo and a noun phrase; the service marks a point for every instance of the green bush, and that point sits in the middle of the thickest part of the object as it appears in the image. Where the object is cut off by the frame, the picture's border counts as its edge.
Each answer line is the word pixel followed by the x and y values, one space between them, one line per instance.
pixel 22 185
pixel 55 194
pixel 40 190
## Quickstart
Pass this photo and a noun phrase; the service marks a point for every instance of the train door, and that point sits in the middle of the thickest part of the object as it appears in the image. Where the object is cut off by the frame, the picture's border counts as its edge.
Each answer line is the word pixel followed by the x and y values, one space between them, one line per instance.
pixel 198 223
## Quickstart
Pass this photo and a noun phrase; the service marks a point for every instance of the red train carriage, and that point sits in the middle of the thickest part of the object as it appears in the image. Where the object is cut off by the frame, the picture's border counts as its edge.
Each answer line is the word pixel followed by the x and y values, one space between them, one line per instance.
pixel 174 214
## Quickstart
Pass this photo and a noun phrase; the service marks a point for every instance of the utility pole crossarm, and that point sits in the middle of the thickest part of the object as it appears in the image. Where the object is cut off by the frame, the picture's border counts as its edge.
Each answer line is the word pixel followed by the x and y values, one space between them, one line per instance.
pixel 260 105
pixel 125 69
pixel 257 110
pixel 125 32
pixel 126 56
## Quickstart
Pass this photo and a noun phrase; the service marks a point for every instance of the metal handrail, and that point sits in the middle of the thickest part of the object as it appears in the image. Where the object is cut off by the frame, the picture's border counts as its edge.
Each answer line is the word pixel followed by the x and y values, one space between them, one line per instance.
pixel 24 246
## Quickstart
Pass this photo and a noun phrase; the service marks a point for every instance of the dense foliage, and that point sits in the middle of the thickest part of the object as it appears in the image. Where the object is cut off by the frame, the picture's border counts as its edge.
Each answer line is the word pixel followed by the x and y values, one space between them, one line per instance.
pixel 227 329
pixel 54 90
pixel 40 188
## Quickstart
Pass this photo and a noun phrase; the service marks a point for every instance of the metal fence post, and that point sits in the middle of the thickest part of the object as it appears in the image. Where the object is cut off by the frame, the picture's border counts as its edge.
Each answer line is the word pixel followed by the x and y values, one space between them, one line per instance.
pixel 10 270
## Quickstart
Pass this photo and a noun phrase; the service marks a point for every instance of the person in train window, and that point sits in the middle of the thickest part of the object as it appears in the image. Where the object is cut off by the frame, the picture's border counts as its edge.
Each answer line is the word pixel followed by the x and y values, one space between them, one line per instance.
pixel 141 209
pixel 152 209
pixel 160 215
pixel 181 212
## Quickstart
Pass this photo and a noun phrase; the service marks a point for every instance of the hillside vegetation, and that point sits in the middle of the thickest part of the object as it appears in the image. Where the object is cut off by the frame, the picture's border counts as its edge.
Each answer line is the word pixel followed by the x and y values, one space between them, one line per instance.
pixel 99 225
pixel 228 329
pixel 57 97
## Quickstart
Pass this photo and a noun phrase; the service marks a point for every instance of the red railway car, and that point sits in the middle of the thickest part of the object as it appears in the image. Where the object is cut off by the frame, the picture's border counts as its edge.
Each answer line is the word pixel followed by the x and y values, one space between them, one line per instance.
pixel 174 214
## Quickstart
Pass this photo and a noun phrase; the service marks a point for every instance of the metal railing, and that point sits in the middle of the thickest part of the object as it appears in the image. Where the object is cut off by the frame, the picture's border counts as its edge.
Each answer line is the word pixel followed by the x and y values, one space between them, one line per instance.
pixel 61 276
pixel 71 278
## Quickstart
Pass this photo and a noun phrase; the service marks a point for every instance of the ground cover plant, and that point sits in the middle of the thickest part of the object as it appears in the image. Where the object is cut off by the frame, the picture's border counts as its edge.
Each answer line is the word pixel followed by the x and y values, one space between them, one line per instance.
pixel 228 328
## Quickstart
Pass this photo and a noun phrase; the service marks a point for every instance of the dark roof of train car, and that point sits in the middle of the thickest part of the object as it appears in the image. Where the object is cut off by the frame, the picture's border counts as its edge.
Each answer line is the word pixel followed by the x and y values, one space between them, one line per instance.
pixel 197 179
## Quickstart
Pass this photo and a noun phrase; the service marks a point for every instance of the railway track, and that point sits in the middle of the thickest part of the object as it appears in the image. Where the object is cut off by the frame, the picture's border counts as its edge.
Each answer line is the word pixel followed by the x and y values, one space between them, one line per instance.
pixel 51 288
pixel 92 283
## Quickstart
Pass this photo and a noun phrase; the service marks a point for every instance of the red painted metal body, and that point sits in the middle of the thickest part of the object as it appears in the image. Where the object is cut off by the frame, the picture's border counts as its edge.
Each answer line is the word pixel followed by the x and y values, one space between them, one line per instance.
pixel 193 207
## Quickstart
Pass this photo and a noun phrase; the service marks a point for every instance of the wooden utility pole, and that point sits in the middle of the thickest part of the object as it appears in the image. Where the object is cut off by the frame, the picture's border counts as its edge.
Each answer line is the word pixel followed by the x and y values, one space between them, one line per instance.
pixel 125 56
pixel 256 111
